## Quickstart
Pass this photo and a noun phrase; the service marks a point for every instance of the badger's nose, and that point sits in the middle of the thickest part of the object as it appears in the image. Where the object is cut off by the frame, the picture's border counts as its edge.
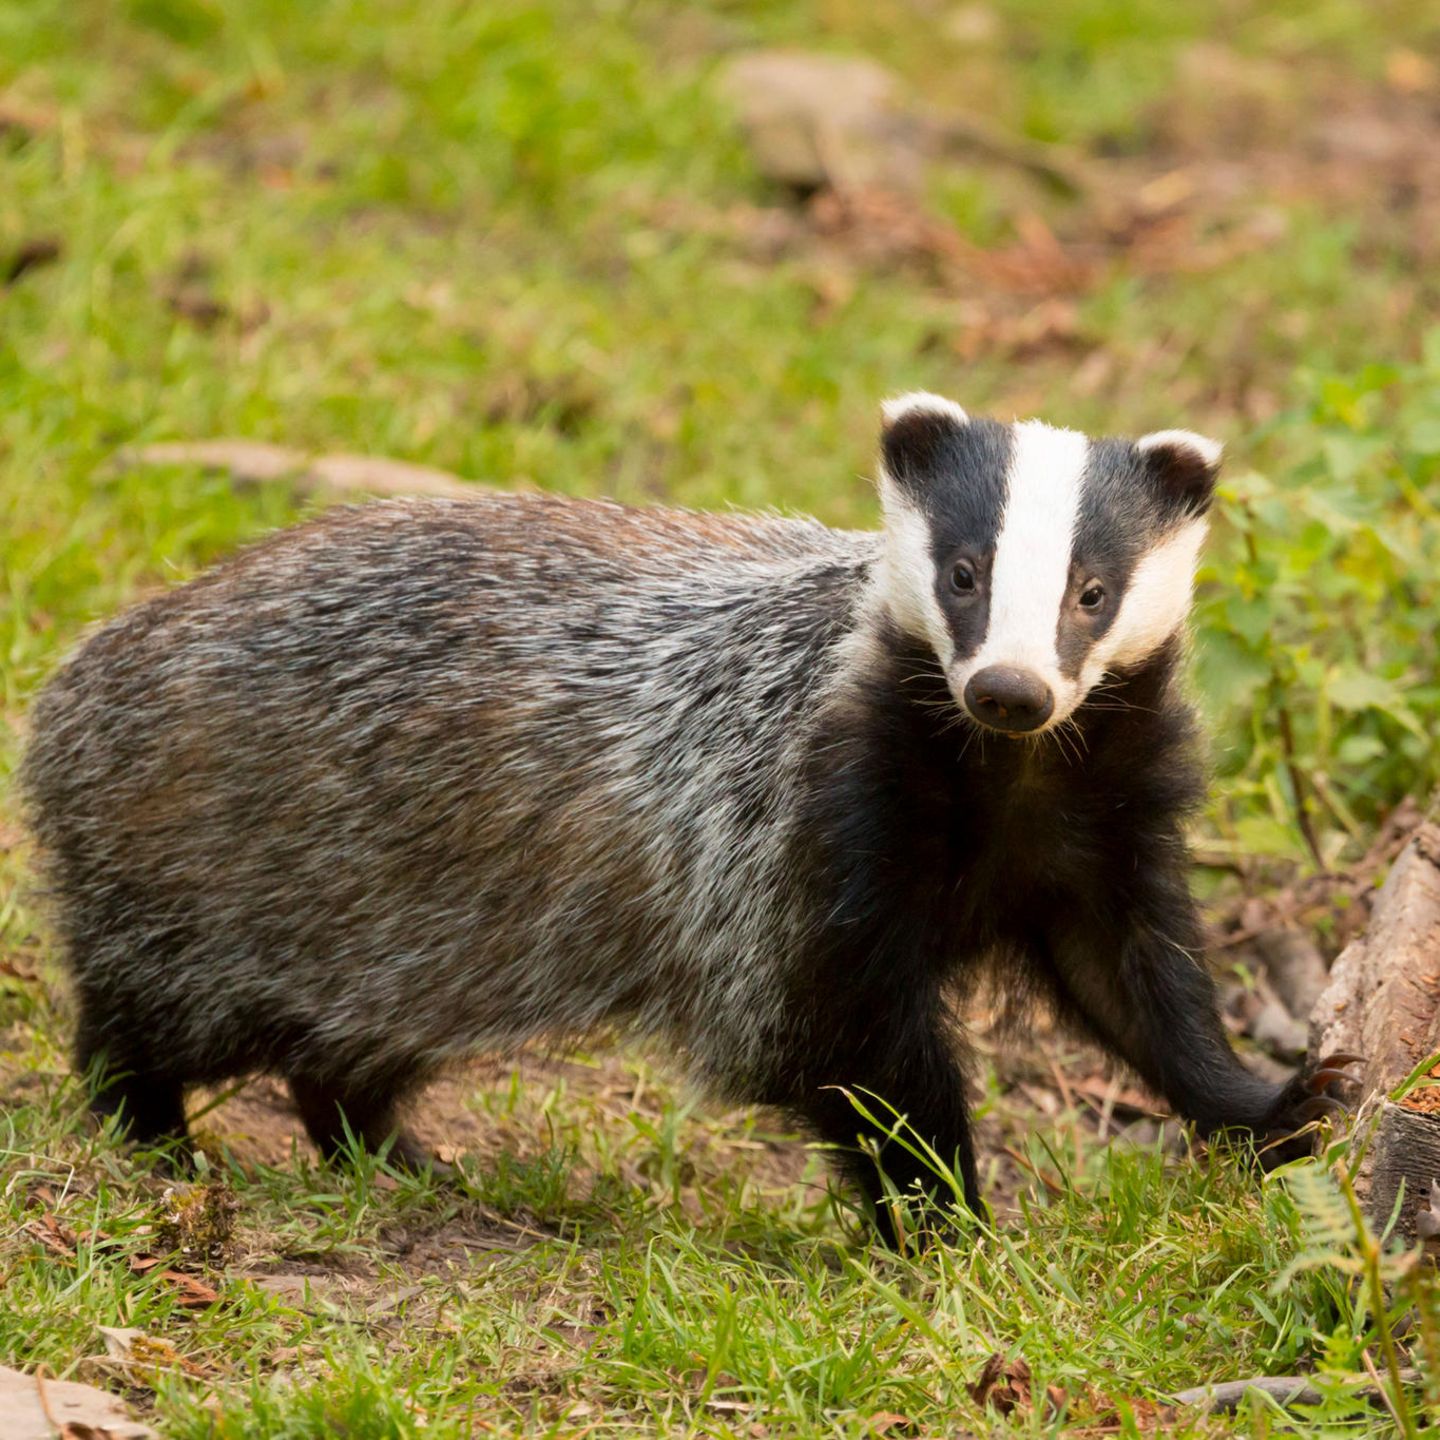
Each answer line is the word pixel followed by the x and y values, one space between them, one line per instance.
pixel 1005 698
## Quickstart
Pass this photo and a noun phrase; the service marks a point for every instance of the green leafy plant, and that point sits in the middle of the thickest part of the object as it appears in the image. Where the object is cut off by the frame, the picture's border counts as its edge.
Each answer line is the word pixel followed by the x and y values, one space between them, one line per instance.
pixel 1398 1288
pixel 1319 614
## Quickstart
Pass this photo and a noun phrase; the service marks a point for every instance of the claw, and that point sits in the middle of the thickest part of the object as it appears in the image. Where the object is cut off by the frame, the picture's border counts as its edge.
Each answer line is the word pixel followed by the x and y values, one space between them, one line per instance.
pixel 1319 1107
pixel 1317 1081
pixel 1341 1057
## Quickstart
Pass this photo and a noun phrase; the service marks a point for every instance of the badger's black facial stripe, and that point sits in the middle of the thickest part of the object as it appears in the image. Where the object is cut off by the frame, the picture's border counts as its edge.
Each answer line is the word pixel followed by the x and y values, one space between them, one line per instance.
pixel 1130 500
pixel 1078 631
pixel 954 474
pixel 966 612
pixel 965 509
pixel 1117 516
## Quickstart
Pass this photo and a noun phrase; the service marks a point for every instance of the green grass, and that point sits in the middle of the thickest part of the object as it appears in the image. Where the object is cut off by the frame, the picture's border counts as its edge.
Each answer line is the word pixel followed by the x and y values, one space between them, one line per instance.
pixel 694 1305
pixel 522 241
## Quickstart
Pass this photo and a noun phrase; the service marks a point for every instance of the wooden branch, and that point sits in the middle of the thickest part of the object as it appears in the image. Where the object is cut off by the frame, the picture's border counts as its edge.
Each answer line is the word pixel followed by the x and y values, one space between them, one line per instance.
pixel 254 462
pixel 1383 1002
pixel 1228 1395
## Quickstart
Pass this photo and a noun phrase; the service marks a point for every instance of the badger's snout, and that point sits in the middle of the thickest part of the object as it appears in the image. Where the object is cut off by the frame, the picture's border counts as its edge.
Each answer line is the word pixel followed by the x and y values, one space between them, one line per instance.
pixel 1008 699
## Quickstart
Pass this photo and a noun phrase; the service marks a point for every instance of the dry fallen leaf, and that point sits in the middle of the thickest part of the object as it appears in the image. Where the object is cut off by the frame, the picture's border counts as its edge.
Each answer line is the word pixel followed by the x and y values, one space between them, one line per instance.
pixel 33 1407
pixel 1005 1386
pixel 57 1238
pixel 191 1293
pixel 1002 1385
pixel 883 1421
pixel 140 1357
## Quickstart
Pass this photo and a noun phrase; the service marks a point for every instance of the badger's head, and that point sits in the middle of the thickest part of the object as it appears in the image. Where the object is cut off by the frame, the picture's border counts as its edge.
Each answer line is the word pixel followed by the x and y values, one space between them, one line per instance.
pixel 1035 561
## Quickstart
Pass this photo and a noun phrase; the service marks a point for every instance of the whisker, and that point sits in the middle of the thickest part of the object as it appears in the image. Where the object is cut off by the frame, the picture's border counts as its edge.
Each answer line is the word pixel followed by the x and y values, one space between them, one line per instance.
pixel 1065 744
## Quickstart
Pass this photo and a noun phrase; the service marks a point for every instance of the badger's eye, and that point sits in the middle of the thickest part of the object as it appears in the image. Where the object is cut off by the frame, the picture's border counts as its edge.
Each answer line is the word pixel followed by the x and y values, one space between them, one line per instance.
pixel 1092 597
pixel 962 578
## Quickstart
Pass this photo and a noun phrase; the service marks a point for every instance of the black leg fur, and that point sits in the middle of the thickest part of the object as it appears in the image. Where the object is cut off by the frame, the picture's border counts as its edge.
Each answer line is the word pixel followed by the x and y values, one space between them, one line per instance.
pixel 150 1104
pixel 893 1063
pixel 151 1109
pixel 371 1112
pixel 1141 987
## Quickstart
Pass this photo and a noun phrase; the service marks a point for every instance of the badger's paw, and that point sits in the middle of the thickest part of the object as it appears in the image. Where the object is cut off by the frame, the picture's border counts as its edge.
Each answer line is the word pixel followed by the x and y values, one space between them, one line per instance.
pixel 408 1152
pixel 1319 1095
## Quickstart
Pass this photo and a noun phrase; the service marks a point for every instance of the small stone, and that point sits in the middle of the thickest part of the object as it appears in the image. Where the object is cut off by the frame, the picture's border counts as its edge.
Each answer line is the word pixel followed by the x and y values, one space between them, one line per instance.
pixel 1278 1031
pixel 815 121
pixel 1294 967
pixel 975 25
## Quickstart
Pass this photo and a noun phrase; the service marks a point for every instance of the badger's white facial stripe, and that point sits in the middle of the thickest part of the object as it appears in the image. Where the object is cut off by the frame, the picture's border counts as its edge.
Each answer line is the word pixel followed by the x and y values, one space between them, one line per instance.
pixel 923 402
pixel 908 572
pixel 1032 556
pixel 1209 451
pixel 1154 606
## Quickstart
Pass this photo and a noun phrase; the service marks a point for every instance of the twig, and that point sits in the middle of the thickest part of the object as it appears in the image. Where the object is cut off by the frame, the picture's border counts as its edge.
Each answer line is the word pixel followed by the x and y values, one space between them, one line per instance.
pixel 1287 733
pixel 255 462
pixel 44 1399
pixel 1060 168
pixel 1370 1255
pixel 1227 1396
pixel 1297 784
pixel 1390 1404
pixel 1052 1185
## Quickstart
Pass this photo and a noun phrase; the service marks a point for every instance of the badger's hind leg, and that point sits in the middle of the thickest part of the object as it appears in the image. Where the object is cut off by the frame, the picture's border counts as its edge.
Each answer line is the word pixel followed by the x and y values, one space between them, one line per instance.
pixel 368 1106
pixel 126 1081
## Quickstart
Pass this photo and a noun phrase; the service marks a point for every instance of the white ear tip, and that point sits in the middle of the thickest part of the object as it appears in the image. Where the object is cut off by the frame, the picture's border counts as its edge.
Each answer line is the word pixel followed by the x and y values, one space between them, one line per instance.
pixel 921 402
pixel 1208 450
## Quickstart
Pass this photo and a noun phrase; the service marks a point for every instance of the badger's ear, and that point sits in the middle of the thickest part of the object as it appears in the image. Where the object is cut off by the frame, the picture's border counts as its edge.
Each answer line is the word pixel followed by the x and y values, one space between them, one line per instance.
pixel 1183 466
pixel 915 433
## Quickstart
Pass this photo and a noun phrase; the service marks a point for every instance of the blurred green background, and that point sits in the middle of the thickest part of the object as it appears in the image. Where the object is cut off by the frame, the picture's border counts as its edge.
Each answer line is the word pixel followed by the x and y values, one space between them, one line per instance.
pixel 536 243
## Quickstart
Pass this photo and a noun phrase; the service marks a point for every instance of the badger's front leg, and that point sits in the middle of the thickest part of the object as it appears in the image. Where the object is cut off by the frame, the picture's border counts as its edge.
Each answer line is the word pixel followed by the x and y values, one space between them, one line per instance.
pixel 896 1058
pixel 1140 986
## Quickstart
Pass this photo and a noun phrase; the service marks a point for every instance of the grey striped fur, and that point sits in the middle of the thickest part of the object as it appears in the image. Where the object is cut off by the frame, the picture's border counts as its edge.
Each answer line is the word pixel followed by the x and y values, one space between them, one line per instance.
pixel 420 779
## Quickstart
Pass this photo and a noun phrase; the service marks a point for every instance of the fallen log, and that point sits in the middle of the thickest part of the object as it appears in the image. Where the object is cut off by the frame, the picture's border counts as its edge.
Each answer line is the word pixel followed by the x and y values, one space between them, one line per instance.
pixel 1383 1002
pixel 255 462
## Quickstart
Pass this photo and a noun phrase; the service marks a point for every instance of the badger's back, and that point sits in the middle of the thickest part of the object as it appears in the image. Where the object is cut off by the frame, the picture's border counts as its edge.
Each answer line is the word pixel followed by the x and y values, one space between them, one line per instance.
pixel 439 775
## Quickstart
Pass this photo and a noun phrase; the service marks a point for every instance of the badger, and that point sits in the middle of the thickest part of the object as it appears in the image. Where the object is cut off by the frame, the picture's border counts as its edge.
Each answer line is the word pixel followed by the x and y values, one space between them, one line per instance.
pixel 420 779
